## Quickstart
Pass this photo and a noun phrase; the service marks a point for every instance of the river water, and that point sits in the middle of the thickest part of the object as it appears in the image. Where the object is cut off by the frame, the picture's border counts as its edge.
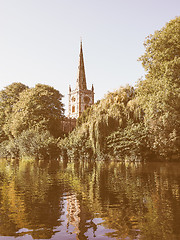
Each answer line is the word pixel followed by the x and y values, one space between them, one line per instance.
pixel 89 200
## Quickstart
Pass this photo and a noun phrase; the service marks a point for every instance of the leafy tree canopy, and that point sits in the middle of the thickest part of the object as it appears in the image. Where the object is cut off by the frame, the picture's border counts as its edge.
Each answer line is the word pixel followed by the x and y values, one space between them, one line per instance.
pixel 161 62
pixel 39 107
pixel 8 97
pixel 159 93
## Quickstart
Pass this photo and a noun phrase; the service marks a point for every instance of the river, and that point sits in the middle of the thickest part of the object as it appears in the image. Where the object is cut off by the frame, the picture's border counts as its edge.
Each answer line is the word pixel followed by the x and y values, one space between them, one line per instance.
pixel 89 200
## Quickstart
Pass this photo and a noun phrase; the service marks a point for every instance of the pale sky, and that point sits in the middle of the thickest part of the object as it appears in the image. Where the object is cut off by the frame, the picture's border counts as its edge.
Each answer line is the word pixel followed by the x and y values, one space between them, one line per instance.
pixel 40 40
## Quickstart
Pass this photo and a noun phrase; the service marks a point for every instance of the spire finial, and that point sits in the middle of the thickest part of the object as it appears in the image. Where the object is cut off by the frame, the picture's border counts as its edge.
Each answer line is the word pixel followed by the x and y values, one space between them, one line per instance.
pixel 80 44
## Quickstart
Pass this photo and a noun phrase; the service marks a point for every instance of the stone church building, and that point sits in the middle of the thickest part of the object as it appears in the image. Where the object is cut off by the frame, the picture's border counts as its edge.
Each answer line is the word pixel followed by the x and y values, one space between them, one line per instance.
pixel 80 98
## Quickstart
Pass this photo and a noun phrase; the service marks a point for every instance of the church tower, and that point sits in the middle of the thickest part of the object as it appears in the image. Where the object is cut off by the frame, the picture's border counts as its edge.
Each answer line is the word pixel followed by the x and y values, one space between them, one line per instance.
pixel 81 97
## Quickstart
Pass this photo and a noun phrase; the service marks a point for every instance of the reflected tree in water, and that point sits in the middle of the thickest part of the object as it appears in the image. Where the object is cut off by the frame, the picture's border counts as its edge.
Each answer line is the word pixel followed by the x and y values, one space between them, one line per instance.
pixel 86 199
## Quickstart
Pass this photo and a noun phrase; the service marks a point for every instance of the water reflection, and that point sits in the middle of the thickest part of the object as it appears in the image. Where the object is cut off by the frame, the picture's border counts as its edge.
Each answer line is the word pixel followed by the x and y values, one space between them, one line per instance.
pixel 50 200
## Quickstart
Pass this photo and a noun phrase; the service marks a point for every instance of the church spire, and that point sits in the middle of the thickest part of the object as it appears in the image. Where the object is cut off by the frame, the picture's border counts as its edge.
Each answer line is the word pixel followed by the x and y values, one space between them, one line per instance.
pixel 80 98
pixel 81 80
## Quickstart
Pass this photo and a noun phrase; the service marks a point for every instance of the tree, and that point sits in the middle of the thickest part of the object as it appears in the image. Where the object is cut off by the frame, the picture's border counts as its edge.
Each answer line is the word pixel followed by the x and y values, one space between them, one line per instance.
pixel 8 97
pixel 38 144
pixel 118 112
pixel 38 108
pixel 159 93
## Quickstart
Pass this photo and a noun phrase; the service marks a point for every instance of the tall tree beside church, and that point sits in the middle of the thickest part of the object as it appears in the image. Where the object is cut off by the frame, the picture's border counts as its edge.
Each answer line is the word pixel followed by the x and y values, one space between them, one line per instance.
pixel 159 93
pixel 38 108
pixel 8 97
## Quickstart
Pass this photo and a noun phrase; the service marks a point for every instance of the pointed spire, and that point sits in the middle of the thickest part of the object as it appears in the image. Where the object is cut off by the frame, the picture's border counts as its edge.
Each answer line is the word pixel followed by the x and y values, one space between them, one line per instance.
pixel 81 80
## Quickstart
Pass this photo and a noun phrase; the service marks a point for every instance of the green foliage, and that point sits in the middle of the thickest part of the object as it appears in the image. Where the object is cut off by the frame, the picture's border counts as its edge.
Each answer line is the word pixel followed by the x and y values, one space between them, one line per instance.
pixel 41 107
pixel 30 121
pixel 4 151
pixel 159 93
pixel 84 116
pixel 114 112
pixel 38 144
pixel 8 97
pixel 131 141
pixel 31 143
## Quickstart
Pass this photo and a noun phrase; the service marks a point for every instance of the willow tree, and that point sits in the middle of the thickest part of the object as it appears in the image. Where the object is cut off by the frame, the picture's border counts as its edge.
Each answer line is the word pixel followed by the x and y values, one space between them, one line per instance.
pixel 159 92
pixel 116 112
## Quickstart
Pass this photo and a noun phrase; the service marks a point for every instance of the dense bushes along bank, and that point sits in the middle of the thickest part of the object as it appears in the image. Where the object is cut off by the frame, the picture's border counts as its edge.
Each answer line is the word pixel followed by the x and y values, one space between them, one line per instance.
pixel 141 122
